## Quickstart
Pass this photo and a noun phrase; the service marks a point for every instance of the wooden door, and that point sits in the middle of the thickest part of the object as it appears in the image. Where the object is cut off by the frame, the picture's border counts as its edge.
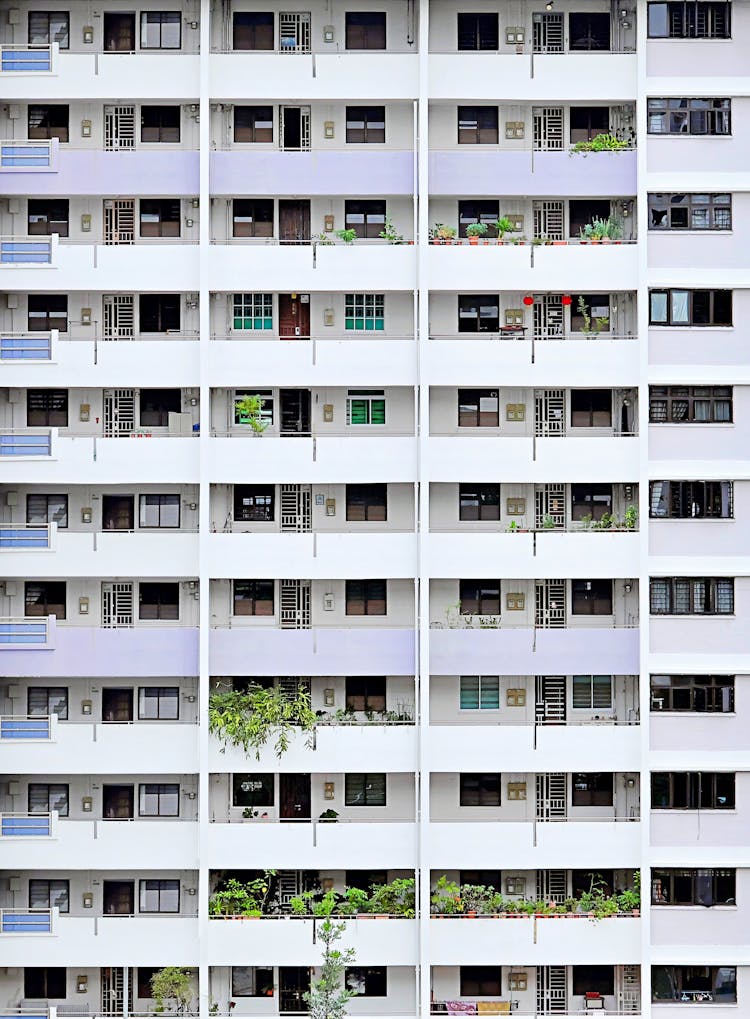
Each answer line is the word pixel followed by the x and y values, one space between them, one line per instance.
pixel 294 316
pixel 294 221
pixel 294 797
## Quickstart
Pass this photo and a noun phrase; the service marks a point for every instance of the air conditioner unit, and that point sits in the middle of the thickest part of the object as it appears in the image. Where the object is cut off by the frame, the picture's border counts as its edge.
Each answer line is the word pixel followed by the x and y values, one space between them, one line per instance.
pixel 14 111
pixel 11 301
pixel 11 588
pixel 14 788
pixel 15 396
pixel 14 883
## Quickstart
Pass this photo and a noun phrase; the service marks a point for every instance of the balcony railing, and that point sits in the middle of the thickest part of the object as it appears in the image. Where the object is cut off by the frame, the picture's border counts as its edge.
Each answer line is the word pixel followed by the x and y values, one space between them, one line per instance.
pixel 25 442
pixel 27 536
pixel 27 346
pixel 26 921
pixel 19 631
pixel 27 826
pixel 26 59
pixel 27 250
pixel 28 155
pixel 25 727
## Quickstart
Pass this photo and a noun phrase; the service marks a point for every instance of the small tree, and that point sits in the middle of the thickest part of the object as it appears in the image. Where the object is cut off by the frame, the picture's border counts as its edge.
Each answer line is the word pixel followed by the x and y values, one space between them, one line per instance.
pixel 250 718
pixel 328 996
pixel 249 411
pixel 172 984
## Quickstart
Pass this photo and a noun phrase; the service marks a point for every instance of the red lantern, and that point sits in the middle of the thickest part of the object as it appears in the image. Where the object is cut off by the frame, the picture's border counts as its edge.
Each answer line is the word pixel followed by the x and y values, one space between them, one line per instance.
pixel 528 300
pixel 566 300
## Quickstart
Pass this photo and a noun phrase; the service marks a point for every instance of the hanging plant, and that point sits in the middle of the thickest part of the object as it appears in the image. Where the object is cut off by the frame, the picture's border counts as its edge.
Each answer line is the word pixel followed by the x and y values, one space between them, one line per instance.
pixel 252 718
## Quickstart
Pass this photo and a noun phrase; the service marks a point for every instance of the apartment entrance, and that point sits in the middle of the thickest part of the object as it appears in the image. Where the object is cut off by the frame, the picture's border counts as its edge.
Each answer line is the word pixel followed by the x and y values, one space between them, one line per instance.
pixel 550 700
pixel 551 990
pixel 117 704
pixel 294 316
pixel 295 411
pixel 119 32
pixel 112 982
pixel 118 802
pixel 294 221
pixel 294 128
pixel 295 798
pixel 294 982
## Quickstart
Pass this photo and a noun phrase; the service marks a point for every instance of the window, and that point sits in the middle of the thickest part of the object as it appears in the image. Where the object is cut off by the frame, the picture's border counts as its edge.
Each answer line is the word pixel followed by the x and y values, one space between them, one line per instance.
pixel 119 32
pixel 478 125
pixel 478 408
pixel 367 790
pixel 365 125
pixel 47 700
pixel 591 408
pixel 159 313
pixel 252 311
pixel 160 217
pixel 254 503
pixel 159 799
pixel 48 216
pixel 47 408
pixel 48 894
pixel 252 217
pixel 253 124
pixel 477 32
pixel 253 790
pixel 46 27
pixel 365 407
pixel 488 878
pixel 145 975
pixel 160 124
pixel 592 692
pixel 366 879
pixel 692 693
pixel 596 306
pixel 47 509
pixel 593 789
pixel 253 30
pixel 690 307
pixel 692 596
pixel 593 500
pixel 48 121
pixel 44 797
pixel 691 499
pixel 161 30
pixel 694 984
pixel 158 600
pixel 252 981
pixel 118 513
pixel 119 898
pixel 478 313
pixel 364 312
pixel 690 116
pixel 365 693
pixel 365 217
pixel 478 502
pixel 157 405
pixel 586 122
pixel 686 887
pixel 479 790
pixel 253 597
pixel 479 597
pixel 367 502
pixel 592 597
pixel 44 598
pixel 597 979
pixel 480 981
pixel 487 212
pixel 159 896
pixel 44 982
pixel 159 702
pixel 479 693
pixel 692 790
pixel 690 19
pixel 47 311
pixel 689 212
pixel 367 981
pixel 159 511
pixel 589 30
pixel 704 405
pixel 266 405
pixel 365 30
pixel 366 598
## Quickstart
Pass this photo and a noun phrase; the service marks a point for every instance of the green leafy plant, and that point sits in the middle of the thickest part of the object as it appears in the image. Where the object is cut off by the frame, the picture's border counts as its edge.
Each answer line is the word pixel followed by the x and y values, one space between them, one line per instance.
pixel 504 226
pixel 324 239
pixel 348 236
pixel 328 996
pixel 329 815
pixel 395 899
pixel 604 142
pixel 594 326
pixel 442 233
pixel 548 522
pixel 172 990
pixel 631 518
pixel 248 411
pixel 480 899
pixel 389 232
pixel 446 898
pixel 605 522
pixel 512 527
pixel 476 229
pixel 251 718
pixel 238 898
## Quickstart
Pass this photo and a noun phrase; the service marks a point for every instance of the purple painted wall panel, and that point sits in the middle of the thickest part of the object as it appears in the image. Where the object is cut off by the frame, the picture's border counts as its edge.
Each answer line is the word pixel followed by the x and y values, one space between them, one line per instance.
pixel 522 652
pixel 529 173
pixel 83 172
pixel 316 652
pixel 312 173
pixel 92 651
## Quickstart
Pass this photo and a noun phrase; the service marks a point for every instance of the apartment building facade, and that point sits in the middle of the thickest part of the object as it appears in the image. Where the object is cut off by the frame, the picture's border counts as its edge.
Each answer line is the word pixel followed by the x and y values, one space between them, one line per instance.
pixel 378 351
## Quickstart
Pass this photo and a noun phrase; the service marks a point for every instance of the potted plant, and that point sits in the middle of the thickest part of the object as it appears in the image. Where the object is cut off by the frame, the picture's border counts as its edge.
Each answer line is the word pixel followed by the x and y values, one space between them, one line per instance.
pixel 548 522
pixel 604 142
pixel 446 899
pixel 394 899
pixel 236 898
pixel 631 518
pixel 477 899
pixel 348 236
pixel 503 226
pixel 474 231
pixel 249 411
pixel 441 234
pixel 329 815
pixel 389 232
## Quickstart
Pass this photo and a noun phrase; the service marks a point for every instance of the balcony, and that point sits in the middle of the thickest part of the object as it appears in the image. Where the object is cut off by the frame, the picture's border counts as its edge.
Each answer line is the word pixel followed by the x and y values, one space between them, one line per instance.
pixel 291 941
pixel 277 76
pixel 44 647
pixel 326 267
pixel 319 844
pixel 562 265
pixel 574 360
pixel 525 172
pixel 319 651
pixel 347 361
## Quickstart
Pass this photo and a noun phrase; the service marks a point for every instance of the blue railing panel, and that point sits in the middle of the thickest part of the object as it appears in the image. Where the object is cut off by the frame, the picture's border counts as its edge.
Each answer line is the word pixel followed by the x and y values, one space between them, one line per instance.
pixel 25 155
pixel 25 445
pixel 25 348
pixel 25 60
pixel 23 632
pixel 25 252
pixel 23 537
pixel 24 728
pixel 26 923
pixel 26 826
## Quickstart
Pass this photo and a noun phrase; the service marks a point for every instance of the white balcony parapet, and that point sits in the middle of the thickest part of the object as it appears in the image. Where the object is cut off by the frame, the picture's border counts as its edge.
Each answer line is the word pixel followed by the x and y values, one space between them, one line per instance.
pixel 27 826
pixel 26 442
pixel 29 537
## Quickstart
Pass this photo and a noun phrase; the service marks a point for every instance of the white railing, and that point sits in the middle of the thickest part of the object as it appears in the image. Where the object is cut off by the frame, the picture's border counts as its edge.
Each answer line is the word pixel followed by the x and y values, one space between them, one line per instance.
pixel 26 58
pixel 25 347
pixel 25 251
pixel 27 536
pixel 28 155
